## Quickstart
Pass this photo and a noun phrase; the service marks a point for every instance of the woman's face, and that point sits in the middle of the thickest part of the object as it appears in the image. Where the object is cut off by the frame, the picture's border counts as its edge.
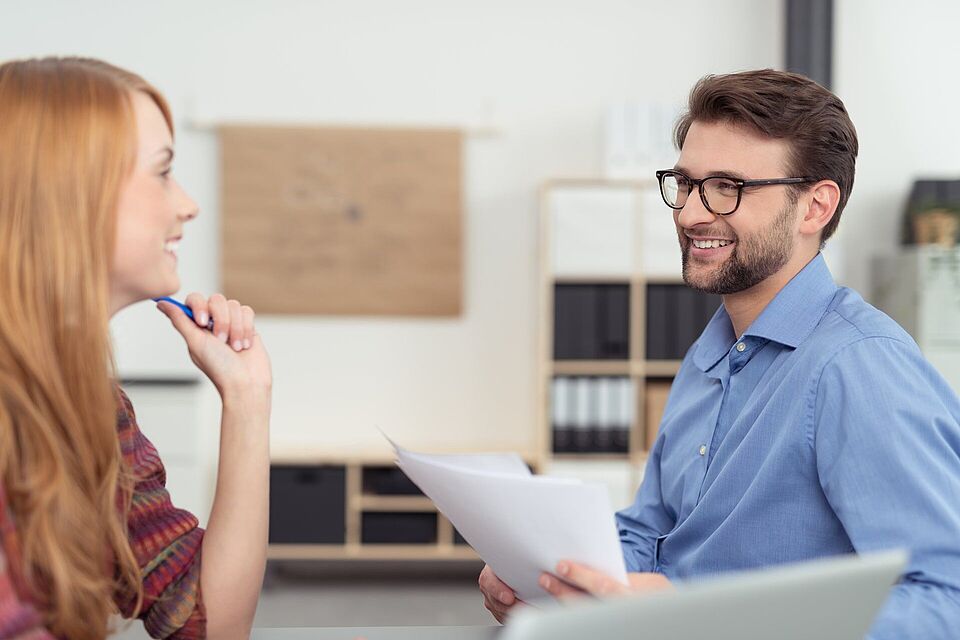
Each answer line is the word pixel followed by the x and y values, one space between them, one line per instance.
pixel 151 213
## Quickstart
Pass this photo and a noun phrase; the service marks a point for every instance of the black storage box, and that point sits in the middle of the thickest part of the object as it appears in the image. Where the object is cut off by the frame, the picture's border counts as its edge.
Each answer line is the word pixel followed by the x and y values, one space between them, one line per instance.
pixel 307 504
pixel 676 315
pixel 388 481
pixel 591 322
pixel 399 527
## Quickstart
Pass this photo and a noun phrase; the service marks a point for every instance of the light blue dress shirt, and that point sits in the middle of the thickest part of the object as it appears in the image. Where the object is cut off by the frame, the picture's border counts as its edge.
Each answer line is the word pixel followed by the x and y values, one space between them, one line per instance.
pixel 822 431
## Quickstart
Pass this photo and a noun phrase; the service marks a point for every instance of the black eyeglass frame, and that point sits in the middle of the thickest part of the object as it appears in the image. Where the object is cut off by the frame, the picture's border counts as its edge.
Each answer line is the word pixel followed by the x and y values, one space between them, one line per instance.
pixel 741 185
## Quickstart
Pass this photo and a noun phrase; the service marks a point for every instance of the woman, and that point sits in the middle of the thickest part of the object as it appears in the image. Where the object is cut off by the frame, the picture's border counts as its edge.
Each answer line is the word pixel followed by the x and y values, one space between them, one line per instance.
pixel 90 220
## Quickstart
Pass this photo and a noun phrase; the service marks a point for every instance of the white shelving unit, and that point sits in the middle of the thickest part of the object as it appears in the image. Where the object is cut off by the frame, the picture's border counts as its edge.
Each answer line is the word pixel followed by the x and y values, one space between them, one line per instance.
pixel 598 231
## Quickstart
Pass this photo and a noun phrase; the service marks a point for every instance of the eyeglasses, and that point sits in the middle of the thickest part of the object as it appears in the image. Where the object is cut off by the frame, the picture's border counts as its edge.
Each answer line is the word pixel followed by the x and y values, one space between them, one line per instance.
pixel 720 194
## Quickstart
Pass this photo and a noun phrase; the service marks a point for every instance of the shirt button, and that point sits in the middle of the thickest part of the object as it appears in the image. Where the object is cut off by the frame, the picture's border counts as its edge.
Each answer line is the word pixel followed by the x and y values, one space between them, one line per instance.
pixel 703 449
pixel 741 347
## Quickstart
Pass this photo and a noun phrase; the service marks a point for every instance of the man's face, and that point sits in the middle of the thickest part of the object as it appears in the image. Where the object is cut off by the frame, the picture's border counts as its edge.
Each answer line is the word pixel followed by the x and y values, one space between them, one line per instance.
pixel 759 238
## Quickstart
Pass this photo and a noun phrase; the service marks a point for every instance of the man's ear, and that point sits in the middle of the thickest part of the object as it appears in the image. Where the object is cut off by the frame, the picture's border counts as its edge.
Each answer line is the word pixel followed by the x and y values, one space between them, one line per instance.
pixel 821 202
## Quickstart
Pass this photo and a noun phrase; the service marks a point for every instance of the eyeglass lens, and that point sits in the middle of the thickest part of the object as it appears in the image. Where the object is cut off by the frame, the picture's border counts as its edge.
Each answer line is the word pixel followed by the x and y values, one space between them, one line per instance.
pixel 721 194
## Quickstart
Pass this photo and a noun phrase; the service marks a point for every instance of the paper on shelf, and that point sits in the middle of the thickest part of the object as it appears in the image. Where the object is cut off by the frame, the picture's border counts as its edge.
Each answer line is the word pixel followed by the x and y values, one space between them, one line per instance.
pixel 520 524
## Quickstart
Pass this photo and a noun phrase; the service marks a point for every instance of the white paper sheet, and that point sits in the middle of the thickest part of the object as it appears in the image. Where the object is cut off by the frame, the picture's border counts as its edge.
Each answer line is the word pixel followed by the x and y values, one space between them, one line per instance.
pixel 520 524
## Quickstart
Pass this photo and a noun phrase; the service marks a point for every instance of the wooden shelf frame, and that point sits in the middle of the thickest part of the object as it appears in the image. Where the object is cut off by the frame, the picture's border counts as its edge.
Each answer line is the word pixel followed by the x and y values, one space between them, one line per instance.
pixel 640 370
pixel 661 368
pixel 371 552
pixel 357 502
pixel 636 366
pixel 413 504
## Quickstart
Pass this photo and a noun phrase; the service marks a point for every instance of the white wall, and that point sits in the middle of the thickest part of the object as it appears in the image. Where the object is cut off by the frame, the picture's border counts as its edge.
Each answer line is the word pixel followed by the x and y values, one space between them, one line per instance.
pixel 541 71
pixel 895 67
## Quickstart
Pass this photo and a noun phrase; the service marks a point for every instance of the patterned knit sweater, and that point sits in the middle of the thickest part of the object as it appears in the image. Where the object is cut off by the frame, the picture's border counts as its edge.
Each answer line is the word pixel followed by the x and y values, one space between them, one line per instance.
pixel 165 540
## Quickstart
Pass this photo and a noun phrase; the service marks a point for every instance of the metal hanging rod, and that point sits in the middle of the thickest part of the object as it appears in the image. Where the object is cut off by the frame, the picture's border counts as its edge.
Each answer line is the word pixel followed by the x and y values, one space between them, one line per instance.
pixel 211 126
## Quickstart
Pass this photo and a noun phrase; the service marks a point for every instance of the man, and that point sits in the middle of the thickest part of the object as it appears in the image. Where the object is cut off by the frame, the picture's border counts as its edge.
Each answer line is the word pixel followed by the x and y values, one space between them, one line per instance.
pixel 803 422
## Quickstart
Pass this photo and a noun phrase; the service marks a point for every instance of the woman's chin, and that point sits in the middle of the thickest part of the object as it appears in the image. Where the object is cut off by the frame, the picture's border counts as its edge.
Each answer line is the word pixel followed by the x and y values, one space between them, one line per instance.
pixel 172 285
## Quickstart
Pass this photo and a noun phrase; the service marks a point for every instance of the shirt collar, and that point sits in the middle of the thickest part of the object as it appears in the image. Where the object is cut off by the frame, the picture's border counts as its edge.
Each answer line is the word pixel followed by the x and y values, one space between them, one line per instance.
pixel 789 319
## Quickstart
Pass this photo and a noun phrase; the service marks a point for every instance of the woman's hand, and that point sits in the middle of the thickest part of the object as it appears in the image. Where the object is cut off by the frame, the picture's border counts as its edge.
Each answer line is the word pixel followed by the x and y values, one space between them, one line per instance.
pixel 232 354
pixel 235 543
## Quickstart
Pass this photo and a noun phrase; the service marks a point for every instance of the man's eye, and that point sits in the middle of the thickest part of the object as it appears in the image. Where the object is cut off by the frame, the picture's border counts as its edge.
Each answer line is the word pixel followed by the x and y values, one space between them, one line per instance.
pixel 725 186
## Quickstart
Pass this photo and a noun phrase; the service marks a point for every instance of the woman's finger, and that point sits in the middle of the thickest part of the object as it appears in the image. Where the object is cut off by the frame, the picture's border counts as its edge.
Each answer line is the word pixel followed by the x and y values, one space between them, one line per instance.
pixel 181 322
pixel 220 312
pixel 201 311
pixel 248 329
pixel 236 325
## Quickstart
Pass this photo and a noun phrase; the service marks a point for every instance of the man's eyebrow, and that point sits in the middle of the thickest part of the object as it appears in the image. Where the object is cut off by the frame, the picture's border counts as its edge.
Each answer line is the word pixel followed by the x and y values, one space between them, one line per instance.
pixel 728 174
pixel 712 174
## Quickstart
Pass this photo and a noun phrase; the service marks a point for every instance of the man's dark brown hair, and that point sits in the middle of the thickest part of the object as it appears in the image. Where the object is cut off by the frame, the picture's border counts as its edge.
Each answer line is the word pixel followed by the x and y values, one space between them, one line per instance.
pixel 785 106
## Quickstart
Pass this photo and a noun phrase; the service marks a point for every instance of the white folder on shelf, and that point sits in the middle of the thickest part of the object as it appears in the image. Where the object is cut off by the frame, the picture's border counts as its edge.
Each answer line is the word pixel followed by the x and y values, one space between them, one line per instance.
pixel 520 524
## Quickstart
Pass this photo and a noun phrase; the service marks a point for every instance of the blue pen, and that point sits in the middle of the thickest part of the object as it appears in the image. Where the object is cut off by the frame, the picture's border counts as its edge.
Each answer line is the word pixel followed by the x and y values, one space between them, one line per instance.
pixel 187 310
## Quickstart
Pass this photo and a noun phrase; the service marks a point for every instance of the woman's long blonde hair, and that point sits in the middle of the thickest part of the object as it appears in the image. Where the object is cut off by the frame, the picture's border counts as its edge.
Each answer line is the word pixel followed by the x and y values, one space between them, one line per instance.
pixel 68 140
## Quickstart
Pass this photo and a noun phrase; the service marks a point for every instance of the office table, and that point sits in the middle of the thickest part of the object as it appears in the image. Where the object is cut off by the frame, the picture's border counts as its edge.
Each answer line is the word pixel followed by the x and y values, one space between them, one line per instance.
pixel 377 633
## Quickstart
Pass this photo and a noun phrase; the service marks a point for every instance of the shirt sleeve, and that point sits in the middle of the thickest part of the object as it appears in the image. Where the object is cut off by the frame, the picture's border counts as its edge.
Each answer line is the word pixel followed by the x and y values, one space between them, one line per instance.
pixel 165 540
pixel 646 520
pixel 886 431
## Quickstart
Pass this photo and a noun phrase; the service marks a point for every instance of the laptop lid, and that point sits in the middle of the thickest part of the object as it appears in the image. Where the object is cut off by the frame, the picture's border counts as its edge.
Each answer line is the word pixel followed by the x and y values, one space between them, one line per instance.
pixel 833 599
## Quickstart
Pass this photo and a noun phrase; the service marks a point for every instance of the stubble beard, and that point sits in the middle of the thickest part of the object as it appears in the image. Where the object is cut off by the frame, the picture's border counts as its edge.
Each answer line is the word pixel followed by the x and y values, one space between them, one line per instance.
pixel 754 258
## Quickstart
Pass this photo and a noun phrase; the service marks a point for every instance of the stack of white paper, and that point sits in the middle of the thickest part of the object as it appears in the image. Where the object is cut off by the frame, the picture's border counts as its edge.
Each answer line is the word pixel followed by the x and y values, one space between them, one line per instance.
pixel 520 524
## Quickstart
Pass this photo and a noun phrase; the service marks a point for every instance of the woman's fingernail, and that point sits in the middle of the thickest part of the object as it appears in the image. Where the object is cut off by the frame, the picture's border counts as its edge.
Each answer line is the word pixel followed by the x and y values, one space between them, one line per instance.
pixel 247 344
pixel 563 568
pixel 237 345
pixel 545 582
pixel 202 319
pixel 504 596
pixel 222 337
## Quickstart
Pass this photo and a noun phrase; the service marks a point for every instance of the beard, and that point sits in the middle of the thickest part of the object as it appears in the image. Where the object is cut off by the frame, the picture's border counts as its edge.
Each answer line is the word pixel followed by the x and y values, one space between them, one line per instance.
pixel 754 258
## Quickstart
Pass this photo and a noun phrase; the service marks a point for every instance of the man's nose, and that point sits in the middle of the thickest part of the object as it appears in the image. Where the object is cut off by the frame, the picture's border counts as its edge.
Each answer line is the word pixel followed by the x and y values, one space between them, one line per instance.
pixel 694 212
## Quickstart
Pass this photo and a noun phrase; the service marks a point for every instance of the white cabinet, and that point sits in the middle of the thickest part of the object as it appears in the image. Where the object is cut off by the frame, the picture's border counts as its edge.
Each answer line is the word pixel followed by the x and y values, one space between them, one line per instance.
pixel 147 347
pixel 610 229
pixel 919 287
pixel 592 230
pixel 170 415
pixel 621 477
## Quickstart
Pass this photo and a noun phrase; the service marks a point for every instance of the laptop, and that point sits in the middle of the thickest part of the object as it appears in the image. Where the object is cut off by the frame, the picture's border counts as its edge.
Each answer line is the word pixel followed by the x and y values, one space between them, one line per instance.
pixel 835 599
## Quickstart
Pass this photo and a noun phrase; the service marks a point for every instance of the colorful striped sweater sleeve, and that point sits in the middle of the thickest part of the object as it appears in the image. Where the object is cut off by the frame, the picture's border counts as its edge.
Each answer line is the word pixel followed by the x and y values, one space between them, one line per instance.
pixel 165 540
pixel 19 619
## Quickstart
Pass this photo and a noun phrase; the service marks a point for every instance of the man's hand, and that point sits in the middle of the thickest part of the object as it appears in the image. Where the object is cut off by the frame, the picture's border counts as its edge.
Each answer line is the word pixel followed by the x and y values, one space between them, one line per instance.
pixel 498 598
pixel 573 579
